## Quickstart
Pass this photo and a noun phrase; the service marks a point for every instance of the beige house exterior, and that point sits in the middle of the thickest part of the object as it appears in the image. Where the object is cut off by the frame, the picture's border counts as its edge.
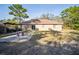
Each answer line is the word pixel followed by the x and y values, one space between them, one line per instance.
pixel 43 25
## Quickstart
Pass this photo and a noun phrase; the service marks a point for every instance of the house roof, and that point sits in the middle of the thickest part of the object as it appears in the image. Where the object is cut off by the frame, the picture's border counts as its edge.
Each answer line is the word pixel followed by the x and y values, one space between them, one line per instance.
pixel 42 22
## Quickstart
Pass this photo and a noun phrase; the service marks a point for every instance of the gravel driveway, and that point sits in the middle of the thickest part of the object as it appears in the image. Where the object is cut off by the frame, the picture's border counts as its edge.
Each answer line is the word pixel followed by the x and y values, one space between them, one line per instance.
pixel 15 38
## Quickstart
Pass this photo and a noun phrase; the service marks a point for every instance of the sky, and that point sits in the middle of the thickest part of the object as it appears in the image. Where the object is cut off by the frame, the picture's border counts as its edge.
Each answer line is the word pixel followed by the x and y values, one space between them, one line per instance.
pixel 35 10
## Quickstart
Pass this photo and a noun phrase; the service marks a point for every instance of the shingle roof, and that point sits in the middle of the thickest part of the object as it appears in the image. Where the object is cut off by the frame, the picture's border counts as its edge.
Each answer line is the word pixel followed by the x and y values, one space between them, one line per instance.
pixel 43 22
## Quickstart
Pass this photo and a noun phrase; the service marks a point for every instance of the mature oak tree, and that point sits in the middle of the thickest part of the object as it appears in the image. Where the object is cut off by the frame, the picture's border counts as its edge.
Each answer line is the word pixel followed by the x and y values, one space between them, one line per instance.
pixel 71 17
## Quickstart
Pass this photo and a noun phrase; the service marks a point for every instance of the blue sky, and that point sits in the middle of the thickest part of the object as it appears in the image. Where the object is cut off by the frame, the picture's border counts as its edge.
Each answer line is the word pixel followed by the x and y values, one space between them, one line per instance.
pixel 35 10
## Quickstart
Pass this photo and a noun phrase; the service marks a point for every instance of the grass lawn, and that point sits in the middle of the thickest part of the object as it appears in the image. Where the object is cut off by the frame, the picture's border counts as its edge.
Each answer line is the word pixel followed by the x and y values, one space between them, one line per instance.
pixel 3 35
pixel 44 43
pixel 64 37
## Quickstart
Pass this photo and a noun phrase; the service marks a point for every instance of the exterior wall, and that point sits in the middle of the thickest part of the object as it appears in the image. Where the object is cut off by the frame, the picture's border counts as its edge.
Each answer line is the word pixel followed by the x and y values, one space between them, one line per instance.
pixel 26 27
pixel 48 27
pixel 42 27
pixel 57 27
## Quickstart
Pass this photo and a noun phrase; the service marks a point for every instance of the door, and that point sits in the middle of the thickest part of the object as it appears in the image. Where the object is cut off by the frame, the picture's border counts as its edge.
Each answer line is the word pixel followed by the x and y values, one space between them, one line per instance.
pixel 33 27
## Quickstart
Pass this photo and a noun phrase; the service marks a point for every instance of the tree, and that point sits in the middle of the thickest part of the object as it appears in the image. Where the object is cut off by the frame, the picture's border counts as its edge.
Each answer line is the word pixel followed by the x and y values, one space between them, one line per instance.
pixel 3 20
pixel 19 12
pixel 71 17
pixel 12 23
pixel 47 16
pixel 56 18
pixel 3 27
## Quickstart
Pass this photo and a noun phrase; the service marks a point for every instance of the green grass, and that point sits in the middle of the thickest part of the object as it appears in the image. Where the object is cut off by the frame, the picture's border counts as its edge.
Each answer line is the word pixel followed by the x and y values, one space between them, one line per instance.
pixel 3 35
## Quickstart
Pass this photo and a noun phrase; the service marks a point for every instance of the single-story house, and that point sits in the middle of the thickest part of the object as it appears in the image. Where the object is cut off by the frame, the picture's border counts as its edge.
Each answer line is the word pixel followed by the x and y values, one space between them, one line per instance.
pixel 43 25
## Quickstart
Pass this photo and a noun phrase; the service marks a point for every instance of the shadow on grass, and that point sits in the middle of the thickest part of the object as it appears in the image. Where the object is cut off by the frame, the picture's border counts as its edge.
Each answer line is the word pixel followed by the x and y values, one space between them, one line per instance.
pixel 36 37
pixel 77 33
pixel 33 48
pixel 52 48
pixel 28 48
pixel 16 48
pixel 6 48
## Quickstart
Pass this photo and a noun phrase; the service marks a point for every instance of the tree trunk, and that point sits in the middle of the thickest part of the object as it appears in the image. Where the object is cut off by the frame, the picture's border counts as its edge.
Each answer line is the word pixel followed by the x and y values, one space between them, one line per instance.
pixel 5 29
pixel 20 22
